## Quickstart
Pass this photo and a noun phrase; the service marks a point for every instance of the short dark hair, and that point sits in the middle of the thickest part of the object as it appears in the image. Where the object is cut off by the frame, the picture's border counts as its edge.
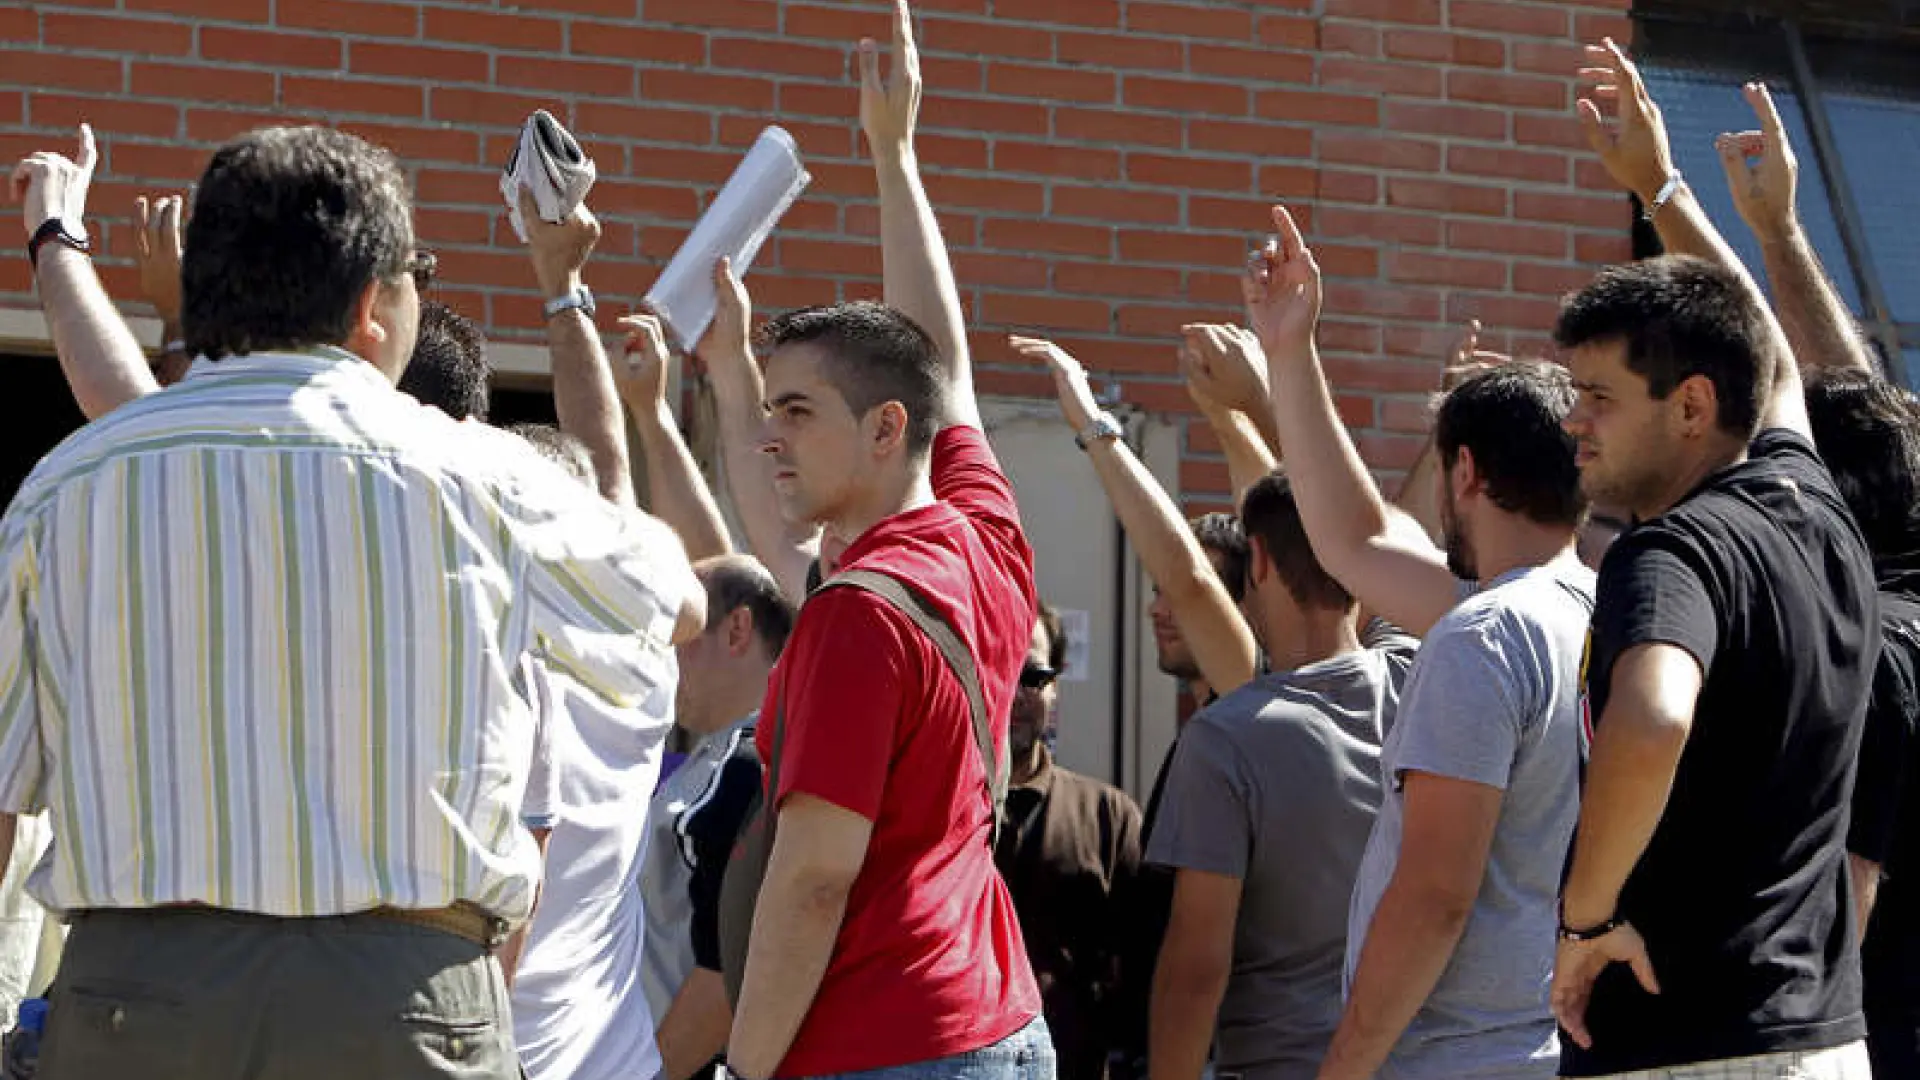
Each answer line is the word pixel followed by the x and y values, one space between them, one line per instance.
pixel 1510 418
pixel 449 369
pixel 1049 617
pixel 739 581
pixel 1868 432
pixel 564 450
pixel 874 355
pixel 1679 317
pixel 289 227
pixel 1221 536
pixel 1270 512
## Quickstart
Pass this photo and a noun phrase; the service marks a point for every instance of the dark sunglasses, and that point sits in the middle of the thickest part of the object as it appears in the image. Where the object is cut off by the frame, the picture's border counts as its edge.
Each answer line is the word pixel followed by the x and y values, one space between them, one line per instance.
pixel 421 267
pixel 1037 676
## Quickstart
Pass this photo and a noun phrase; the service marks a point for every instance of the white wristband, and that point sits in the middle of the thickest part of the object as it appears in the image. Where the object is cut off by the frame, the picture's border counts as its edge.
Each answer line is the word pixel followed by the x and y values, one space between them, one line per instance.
pixel 1666 193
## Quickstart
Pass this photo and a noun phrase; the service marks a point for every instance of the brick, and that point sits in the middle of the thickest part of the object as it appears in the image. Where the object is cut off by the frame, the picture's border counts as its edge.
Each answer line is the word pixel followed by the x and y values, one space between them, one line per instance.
pixel 1544 279
pixel 968 113
pixel 1507 239
pixel 223 10
pixel 1518 91
pixel 415 143
pixel 821 140
pixel 1546 20
pixel 1005 271
pixel 1182 248
pixel 706 168
pixel 1591 175
pixel 841 24
pixel 779 57
pixel 760 15
pixel 490 108
pixel 636 43
pixel 1533 129
pixel 609 9
pixel 219 125
pixel 19 24
pixel 939 151
pixel 1422 343
pixel 700 88
pixel 1317 107
pixel 1259 65
pixel 1602 248
pixel 1046 312
pixel 947 74
pixel 520 32
pixel 1458 121
pixel 829 257
pixel 1185 95
pixel 1346 186
pixel 623 196
pixel 1249 137
pixel 1350 39
pixel 1107 279
pixel 804 99
pixel 1568 208
pixel 1189 173
pixel 109 116
pixel 1077 162
pixel 984 193
pixel 1421 268
pixel 1424 12
pixel 154 162
pixel 1205 476
pixel 568 76
pixel 1593 27
pixel 1406 80
pixel 468 187
pixel 1390 451
pixel 1446 196
pixel 1289 31
pixel 36 70
pixel 1111 126
pixel 1190 20
pixel 1348 260
pixel 1383 301
pixel 352 17
pixel 1027 384
pixel 1537 166
pixel 13 107
pixel 1108 203
pixel 1027 236
pixel 1503 310
pixel 813 216
pixel 1243 215
pixel 147 37
pixel 337 95
pixel 269 48
pixel 969 37
pixel 1384 376
pixel 1051 83
pixel 1558 58
pixel 1121 51
pixel 1380 151
pixel 418 62
pixel 1074 12
pixel 203 83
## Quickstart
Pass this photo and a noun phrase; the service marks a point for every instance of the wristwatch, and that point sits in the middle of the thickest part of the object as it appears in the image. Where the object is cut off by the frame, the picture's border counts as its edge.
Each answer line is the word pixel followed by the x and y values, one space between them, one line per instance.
pixel 580 297
pixel 58 230
pixel 1103 427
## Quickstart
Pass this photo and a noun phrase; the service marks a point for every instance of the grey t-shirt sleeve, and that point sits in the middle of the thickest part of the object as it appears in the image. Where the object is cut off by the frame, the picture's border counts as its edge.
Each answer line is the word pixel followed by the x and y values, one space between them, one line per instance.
pixel 1472 713
pixel 1205 820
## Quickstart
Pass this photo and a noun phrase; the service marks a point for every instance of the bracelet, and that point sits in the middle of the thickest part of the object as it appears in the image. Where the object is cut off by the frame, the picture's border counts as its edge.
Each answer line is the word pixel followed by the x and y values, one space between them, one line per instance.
pixel 177 345
pixel 1665 195
pixel 1590 933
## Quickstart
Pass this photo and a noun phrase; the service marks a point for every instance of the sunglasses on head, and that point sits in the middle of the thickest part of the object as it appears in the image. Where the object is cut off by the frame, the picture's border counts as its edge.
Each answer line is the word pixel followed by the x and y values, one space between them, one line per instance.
pixel 1037 676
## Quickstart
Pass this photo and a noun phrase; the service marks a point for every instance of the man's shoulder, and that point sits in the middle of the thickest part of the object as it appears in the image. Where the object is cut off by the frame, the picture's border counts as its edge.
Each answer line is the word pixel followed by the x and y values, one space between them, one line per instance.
pixel 1090 789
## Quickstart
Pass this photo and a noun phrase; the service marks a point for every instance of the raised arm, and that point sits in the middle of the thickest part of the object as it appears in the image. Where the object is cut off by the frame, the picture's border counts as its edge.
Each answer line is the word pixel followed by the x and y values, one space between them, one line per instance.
pixel 739 393
pixel 584 399
pixel 678 493
pixel 1636 154
pixel 1390 565
pixel 918 274
pixel 1764 176
pixel 157 253
pixel 99 354
pixel 1215 630
pixel 1251 450
pixel 1419 492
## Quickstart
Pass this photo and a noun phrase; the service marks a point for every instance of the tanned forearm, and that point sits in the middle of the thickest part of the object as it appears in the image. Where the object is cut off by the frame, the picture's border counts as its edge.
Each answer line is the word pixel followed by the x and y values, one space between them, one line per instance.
pixel 1409 944
pixel 1818 326
pixel 678 492
pixel 102 360
pixel 1419 494
pixel 785 549
pixel 1215 630
pixel 1187 991
pixel 586 402
pixel 694 1030
pixel 1866 889
pixel 1250 457
pixel 919 275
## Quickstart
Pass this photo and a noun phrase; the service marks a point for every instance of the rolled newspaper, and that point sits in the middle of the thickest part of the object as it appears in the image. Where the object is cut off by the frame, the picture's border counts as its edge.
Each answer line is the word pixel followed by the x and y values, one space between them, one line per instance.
pixel 742 216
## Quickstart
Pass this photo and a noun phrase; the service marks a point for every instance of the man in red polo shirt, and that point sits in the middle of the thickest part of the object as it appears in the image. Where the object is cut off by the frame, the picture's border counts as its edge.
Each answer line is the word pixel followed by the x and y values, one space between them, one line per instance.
pixel 884 939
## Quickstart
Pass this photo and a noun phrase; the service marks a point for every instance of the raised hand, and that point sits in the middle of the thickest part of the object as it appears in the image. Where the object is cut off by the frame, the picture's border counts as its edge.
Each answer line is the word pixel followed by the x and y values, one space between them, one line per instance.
pixel 1282 290
pixel 1225 368
pixel 1077 402
pixel 1761 168
pixel 726 344
pixel 1635 149
pixel 889 108
pixel 560 249
pixel 1469 359
pixel 48 185
pixel 157 253
pixel 642 378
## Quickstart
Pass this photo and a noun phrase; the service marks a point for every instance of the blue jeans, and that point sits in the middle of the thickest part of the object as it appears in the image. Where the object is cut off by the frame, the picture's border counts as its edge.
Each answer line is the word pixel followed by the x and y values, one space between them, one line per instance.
pixel 1026 1054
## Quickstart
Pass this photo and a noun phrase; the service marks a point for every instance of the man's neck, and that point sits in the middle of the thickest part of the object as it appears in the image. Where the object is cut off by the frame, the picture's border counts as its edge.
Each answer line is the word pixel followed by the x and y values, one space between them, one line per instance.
pixel 1718 452
pixel 1024 768
pixel 1298 638
pixel 1512 542
pixel 909 491
pixel 749 690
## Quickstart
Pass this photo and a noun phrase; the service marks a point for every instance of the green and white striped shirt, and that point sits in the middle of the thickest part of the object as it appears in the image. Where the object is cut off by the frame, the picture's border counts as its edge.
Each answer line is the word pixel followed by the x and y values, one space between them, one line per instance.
pixel 259 635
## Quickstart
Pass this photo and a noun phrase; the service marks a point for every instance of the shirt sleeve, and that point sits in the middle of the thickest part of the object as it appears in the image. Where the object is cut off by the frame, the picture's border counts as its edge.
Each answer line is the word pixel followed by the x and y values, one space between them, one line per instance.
pixel 1885 748
pixel 22 753
pixel 712 832
pixel 541 805
pixel 1651 591
pixel 1206 817
pixel 852 667
pixel 1473 715
pixel 968 477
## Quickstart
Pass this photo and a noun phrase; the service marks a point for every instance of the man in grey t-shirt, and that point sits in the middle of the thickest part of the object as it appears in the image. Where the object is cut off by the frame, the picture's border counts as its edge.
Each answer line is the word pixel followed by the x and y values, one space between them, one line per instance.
pixel 1267 807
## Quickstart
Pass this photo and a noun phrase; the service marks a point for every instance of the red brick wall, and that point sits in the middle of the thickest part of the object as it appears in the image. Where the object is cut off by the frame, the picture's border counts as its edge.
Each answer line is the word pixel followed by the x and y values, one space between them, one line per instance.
pixel 1100 165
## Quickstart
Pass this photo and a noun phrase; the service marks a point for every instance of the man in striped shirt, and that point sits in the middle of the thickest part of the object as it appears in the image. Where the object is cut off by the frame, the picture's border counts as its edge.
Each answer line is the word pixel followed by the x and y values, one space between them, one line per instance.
pixel 258 643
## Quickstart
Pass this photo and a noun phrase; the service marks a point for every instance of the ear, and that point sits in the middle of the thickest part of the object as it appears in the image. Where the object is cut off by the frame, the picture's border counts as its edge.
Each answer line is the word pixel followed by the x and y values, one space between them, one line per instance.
pixel 739 631
pixel 1259 563
pixel 889 426
pixel 1698 406
pixel 1465 476
pixel 367 324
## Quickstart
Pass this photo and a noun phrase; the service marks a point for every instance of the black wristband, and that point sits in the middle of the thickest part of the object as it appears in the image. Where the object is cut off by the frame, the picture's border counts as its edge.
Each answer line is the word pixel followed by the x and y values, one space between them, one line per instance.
pixel 1589 933
pixel 54 229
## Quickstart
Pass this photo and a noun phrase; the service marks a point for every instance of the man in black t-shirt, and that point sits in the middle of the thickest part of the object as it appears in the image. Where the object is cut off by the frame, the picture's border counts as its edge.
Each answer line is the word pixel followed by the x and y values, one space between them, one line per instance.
pixel 1868 431
pixel 1705 916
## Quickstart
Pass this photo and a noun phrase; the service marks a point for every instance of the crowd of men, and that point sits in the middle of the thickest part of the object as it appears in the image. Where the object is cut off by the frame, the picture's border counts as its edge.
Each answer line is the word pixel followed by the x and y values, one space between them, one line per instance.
pixel 348 711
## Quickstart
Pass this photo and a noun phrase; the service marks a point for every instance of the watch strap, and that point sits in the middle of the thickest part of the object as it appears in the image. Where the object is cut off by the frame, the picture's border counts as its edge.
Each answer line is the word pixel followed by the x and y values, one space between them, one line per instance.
pixel 581 298
pixel 1590 933
pixel 1102 426
pixel 1666 193
pixel 54 230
